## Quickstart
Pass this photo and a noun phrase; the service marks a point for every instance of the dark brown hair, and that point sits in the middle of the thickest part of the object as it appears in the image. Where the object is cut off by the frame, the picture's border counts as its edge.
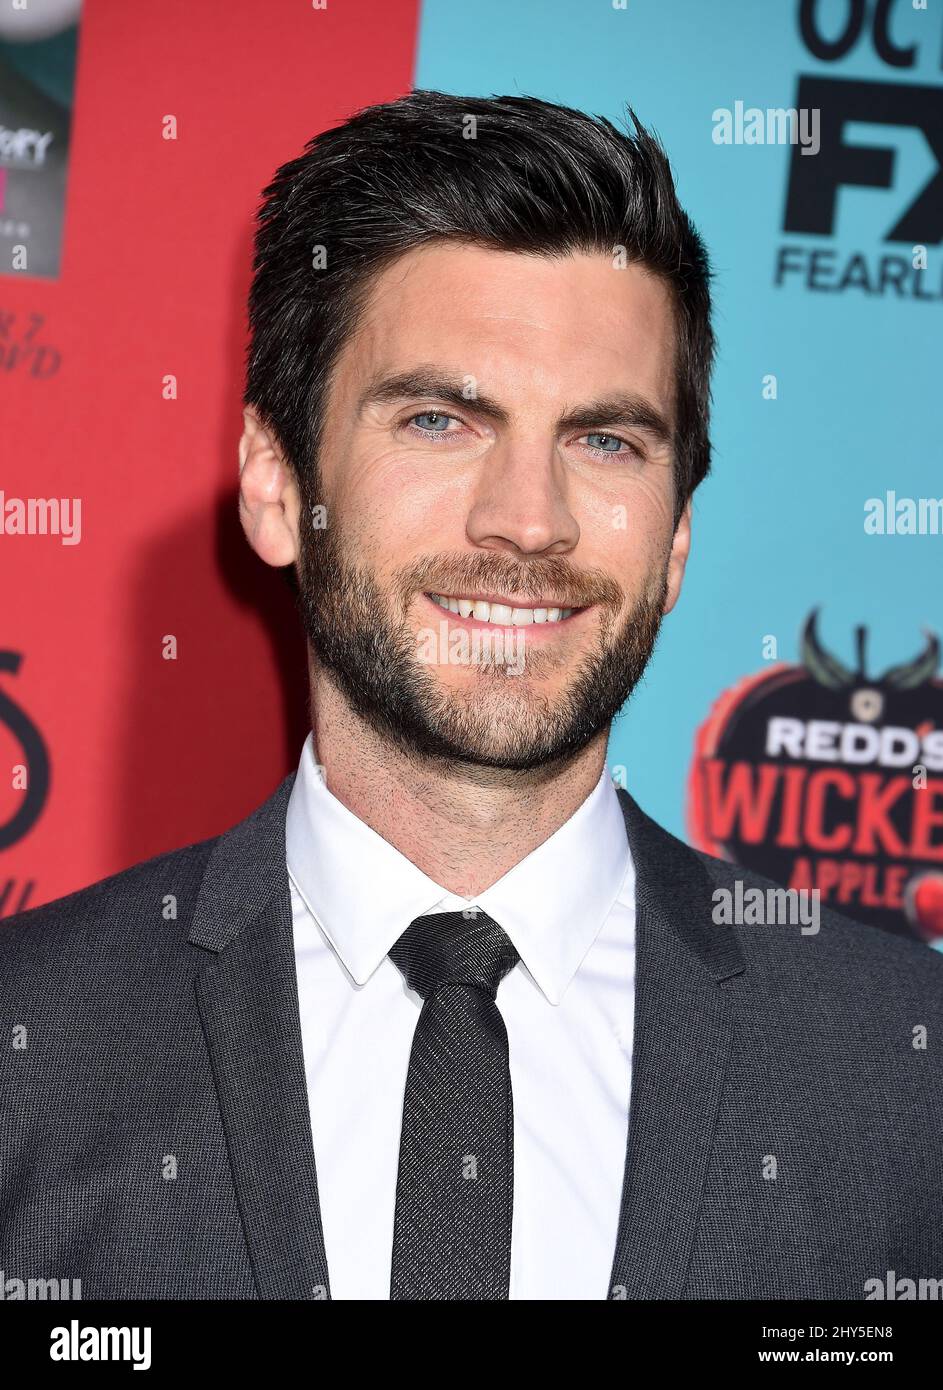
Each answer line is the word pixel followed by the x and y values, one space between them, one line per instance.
pixel 535 178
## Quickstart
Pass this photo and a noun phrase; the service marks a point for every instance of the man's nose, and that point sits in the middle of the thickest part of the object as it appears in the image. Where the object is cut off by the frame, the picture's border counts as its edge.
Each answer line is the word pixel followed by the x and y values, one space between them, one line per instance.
pixel 522 501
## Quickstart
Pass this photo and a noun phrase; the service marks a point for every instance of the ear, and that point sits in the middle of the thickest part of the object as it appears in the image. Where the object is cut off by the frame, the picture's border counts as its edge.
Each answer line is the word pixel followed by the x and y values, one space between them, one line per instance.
pixel 680 550
pixel 269 501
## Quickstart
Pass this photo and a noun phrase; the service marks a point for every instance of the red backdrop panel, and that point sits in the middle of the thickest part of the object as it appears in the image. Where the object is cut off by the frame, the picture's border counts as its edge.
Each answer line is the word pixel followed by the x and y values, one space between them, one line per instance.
pixel 146 753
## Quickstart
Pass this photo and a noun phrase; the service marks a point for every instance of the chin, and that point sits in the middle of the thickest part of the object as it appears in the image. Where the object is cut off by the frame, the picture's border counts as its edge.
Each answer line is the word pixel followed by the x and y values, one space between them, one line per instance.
pixel 502 742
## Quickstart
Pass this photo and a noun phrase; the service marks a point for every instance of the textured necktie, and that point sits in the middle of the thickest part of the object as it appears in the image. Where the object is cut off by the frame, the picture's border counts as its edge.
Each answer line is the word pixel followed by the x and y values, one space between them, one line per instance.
pixel 454 1191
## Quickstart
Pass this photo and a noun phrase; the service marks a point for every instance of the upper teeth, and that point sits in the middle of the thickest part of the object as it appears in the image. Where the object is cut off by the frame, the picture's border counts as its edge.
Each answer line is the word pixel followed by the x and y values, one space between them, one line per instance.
pixel 500 612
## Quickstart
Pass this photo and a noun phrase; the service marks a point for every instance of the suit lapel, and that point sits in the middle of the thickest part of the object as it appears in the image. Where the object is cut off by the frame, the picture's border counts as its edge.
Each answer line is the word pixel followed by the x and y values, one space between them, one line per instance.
pixel 248 1000
pixel 681 1045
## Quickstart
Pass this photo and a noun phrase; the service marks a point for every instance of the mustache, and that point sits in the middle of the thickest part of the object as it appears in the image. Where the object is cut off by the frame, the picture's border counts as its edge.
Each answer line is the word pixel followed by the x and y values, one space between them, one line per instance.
pixel 496 573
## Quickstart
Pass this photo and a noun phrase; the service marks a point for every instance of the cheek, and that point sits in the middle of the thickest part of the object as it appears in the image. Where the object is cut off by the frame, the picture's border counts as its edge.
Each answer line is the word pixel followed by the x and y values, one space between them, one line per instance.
pixel 384 474
pixel 364 493
pixel 390 510
pixel 414 504
pixel 633 525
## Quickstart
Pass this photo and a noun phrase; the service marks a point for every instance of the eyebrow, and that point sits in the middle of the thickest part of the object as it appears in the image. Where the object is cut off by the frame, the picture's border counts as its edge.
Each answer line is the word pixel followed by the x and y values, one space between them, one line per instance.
pixel 624 410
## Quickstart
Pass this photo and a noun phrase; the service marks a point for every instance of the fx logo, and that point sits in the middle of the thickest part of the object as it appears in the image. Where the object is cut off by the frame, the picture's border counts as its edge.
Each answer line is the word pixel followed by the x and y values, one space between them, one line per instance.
pixel 814 183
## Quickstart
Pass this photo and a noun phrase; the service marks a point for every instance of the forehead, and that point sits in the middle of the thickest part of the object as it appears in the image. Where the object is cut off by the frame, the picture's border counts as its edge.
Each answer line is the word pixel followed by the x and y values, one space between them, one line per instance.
pixel 565 326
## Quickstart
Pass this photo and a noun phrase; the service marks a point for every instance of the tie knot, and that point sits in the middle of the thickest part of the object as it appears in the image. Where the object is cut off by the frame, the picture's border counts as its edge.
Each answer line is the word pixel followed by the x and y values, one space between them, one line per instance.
pixel 450 948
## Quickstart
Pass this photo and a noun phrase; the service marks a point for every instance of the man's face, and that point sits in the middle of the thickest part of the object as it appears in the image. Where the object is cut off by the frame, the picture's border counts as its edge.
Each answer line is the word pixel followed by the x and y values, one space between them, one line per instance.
pixel 497 428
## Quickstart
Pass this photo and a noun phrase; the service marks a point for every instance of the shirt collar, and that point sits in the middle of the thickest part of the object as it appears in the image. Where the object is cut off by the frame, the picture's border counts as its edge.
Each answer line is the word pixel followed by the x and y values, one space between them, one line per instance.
pixel 364 893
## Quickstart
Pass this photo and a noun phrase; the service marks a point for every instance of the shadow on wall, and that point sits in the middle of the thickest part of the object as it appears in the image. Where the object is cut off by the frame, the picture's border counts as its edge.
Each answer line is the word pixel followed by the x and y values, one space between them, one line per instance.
pixel 205 737
pixel 207 734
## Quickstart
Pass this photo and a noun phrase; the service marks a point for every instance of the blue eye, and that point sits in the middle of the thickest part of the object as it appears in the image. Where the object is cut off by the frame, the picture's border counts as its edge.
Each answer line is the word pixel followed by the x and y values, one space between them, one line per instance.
pixel 605 443
pixel 432 421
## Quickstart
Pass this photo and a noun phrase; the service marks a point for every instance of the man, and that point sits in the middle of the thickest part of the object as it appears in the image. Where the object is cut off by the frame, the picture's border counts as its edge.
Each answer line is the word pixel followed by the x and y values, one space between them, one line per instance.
pixel 449 1017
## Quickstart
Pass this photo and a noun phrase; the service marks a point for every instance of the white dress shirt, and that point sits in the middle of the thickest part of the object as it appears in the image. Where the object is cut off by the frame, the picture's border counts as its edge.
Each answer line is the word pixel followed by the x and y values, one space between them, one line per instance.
pixel 568 1005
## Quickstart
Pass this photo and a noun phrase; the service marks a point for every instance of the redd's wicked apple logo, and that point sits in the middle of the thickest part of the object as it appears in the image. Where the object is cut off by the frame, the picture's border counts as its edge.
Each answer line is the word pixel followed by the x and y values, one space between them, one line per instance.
pixel 820 777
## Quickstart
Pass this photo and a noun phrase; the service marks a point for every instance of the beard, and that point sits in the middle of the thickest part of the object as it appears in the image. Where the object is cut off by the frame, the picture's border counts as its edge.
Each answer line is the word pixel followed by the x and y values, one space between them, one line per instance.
pixel 361 636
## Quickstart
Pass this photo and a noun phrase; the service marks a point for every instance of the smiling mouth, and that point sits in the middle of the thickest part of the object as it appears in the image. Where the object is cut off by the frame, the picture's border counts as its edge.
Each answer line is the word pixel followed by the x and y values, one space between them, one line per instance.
pixel 502 613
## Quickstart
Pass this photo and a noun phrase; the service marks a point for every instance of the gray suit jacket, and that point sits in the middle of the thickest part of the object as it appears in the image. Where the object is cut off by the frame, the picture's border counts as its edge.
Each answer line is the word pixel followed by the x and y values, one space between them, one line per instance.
pixel 155 1142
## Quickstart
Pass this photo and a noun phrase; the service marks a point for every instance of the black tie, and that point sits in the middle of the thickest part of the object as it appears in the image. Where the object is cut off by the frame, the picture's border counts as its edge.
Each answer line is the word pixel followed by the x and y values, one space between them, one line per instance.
pixel 454 1192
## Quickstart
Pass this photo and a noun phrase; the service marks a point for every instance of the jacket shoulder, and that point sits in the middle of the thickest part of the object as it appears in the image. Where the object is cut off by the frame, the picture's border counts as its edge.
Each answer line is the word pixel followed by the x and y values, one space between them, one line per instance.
pixel 836 948
pixel 138 908
pixel 139 921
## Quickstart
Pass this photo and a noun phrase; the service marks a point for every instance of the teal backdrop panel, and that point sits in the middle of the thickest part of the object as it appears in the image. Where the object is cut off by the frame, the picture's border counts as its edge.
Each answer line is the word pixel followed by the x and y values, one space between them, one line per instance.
pixel 827 393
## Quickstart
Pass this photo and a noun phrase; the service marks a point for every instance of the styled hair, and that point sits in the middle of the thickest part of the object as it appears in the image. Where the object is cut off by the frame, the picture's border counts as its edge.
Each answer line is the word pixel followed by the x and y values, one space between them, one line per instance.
pixel 510 173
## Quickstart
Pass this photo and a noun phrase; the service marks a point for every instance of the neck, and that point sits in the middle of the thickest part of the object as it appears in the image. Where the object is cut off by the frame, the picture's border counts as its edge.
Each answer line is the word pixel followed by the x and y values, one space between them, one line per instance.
pixel 464 826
